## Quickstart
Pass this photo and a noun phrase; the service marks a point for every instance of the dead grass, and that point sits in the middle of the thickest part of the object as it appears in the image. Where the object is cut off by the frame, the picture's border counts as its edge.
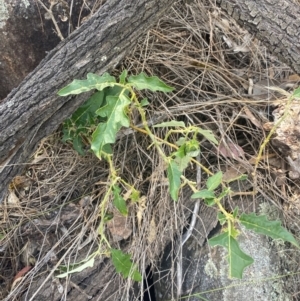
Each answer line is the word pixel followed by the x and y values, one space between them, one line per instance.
pixel 51 217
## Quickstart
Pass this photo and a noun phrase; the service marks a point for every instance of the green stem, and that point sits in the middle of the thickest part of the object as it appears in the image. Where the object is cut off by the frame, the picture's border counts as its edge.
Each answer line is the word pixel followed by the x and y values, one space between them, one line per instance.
pixel 146 127
pixel 114 180
pixel 228 216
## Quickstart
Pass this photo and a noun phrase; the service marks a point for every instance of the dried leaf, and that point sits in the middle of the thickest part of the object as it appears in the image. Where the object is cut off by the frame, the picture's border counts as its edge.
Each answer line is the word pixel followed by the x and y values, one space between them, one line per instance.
pixel 152 231
pixel 12 199
pixel 233 173
pixel 119 227
pixel 252 117
pixel 231 150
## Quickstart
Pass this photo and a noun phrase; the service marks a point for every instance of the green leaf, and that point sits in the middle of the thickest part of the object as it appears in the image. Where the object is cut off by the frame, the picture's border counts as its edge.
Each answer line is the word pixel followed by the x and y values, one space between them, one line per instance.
pixel 181 159
pixel 135 195
pixel 174 175
pixel 224 193
pixel 118 201
pixel 124 265
pixel 208 135
pixel 296 92
pixel 153 83
pixel 192 148
pixel 172 123
pixel 85 114
pixel 181 141
pixel 106 132
pixel 78 145
pixel 214 181
pixel 222 218
pixel 235 212
pixel 203 194
pixel 108 216
pixel 123 77
pixel 183 162
pixel 79 125
pixel 144 102
pixel 237 259
pixel 79 268
pixel 180 153
pixel 210 201
pixel 68 131
pixel 93 81
pixel 261 225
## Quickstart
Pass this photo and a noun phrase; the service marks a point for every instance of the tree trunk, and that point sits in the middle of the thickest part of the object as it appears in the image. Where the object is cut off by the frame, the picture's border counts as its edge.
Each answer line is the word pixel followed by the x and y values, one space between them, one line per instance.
pixel 27 33
pixel 33 110
pixel 276 23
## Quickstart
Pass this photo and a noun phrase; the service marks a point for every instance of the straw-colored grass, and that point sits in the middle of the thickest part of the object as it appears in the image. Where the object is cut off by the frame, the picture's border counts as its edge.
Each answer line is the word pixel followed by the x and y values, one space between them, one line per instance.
pixel 211 63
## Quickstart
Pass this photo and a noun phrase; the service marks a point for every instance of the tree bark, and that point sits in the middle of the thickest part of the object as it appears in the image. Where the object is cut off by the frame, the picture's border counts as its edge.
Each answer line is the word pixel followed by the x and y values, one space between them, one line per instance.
pixel 27 33
pixel 33 110
pixel 276 23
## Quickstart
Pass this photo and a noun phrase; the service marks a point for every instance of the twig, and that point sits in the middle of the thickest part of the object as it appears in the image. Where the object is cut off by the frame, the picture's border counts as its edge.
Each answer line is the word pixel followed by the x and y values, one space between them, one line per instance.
pixel 49 11
pixel 187 235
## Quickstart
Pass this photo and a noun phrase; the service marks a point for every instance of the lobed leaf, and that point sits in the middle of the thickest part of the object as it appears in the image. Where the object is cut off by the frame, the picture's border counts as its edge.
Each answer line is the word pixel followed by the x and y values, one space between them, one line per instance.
pixel 192 148
pixel 78 145
pixel 182 162
pixel 203 194
pixel 80 123
pixel 123 77
pixel 144 102
pixel 93 81
pixel 118 200
pixel 174 175
pixel 222 218
pixel 124 265
pixel 106 132
pixel 85 115
pixel 237 259
pixel 78 268
pixel 153 83
pixel 181 159
pixel 214 181
pixel 172 123
pixel 261 225
pixel 208 134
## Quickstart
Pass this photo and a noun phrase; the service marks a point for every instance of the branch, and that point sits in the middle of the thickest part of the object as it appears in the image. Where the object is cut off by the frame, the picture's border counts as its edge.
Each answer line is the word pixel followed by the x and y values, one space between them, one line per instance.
pixel 33 110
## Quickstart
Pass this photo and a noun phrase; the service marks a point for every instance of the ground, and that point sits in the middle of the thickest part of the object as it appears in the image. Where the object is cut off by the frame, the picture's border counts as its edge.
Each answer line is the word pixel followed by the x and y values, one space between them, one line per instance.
pixel 220 73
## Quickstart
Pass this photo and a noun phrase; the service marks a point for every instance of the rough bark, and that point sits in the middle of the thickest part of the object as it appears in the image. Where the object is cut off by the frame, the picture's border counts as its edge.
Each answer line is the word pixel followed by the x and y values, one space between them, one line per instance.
pixel 27 33
pixel 276 23
pixel 33 110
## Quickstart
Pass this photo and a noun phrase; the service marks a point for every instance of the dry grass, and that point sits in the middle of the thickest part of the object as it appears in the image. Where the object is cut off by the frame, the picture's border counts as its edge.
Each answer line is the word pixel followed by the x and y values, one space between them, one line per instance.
pixel 196 49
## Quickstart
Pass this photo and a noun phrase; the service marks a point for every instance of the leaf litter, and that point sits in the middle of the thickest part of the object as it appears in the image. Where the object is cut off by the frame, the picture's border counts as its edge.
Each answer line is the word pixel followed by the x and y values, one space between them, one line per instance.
pixel 211 62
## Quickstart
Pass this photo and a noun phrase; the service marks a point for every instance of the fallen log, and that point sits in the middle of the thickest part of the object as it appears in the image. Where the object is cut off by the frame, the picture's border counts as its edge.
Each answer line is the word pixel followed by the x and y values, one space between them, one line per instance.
pixel 33 110
pixel 275 23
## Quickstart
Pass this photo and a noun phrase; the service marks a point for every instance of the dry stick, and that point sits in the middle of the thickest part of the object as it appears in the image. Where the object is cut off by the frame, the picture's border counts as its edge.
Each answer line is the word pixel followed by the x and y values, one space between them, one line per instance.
pixel 49 11
pixel 187 235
